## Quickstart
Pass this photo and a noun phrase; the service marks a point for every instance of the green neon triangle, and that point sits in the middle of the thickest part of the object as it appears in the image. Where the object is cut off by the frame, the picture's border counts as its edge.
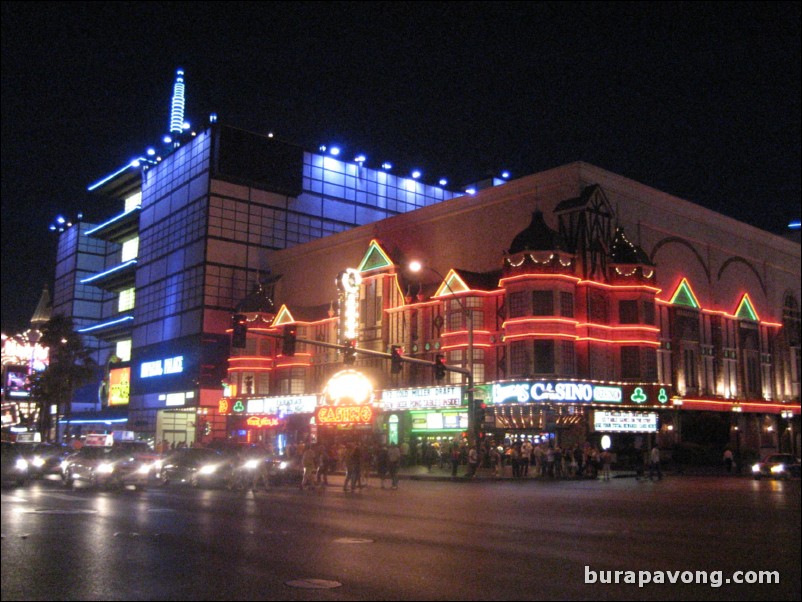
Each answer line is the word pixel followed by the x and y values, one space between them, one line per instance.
pixel 684 295
pixel 374 259
pixel 452 284
pixel 283 317
pixel 746 311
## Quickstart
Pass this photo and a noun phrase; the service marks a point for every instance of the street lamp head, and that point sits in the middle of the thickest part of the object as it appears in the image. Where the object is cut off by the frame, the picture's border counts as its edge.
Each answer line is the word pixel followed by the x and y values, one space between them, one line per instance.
pixel 415 266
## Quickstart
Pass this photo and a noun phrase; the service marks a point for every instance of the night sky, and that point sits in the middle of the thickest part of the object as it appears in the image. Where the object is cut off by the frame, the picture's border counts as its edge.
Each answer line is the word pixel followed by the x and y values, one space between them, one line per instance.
pixel 698 100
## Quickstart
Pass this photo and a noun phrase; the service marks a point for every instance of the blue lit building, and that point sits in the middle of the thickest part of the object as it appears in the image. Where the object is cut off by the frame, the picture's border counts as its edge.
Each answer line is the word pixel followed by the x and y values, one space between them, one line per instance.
pixel 158 281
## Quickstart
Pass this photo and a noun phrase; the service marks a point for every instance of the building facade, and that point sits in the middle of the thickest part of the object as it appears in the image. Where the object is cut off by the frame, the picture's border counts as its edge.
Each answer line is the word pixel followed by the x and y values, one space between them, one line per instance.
pixel 618 309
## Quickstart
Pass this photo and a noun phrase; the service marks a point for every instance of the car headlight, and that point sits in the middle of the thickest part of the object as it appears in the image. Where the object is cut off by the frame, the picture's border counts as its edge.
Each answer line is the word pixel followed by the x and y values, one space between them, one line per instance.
pixel 38 461
pixel 251 464
pixel 207 469
pixel 157 465
pixel 64 465
pixel 283 465
pixel 144 469
pixel 21 464
pixel 778 469
pixel 105 468
pixel 755 467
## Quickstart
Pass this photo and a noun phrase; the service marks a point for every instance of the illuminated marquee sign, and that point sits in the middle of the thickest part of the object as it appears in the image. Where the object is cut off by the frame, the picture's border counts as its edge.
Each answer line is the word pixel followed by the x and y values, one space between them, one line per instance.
pixel 625 422
pixel 119 386
pixel 262 421
pixel 170 365
pixel 348 283
pixel 571 392
pixel 428 397
pixel 341 415
pixel 294 404
pixel 440 421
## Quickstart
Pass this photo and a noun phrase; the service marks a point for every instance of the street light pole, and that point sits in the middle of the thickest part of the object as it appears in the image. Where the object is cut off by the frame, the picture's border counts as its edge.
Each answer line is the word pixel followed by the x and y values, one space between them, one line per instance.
pixel 473 424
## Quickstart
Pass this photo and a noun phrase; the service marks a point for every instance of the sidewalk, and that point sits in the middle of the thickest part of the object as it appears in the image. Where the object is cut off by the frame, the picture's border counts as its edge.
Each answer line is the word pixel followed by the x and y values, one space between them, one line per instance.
pixel 421 473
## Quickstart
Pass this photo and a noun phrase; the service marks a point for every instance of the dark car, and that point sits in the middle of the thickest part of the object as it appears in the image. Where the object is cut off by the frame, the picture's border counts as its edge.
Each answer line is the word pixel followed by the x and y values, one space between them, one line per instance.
pixel 110 466
pixel 777 466
pixel 44 458
pixel 285 470
pixel 15 466
pixel 196 466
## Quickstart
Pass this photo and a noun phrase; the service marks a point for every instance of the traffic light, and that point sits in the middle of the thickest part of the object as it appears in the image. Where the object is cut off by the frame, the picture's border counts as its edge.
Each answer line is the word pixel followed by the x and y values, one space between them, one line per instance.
pixel 439 366
pixel 395 360
pixel 288 344
pixel 480 415
pixel 240 330
pixel 349 353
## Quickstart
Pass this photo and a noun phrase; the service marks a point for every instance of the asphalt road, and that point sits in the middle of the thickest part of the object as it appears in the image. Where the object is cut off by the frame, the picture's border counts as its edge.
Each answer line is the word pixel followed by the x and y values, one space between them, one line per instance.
pixel 426 541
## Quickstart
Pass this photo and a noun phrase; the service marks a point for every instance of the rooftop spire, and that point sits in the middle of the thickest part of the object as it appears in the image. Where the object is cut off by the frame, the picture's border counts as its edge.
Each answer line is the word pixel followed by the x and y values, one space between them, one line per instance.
pixel 177 104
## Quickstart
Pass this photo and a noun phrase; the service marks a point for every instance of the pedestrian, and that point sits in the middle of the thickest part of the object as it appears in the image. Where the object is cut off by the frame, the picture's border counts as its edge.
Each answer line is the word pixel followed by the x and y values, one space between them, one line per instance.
pixel 322 461
pixel 382 464
pixel 393 464
pixel 308 460
pixel 728 460
pixel 606 460
pixel 473 462
pixel 353 459
pixel 454 459
pixel 654 465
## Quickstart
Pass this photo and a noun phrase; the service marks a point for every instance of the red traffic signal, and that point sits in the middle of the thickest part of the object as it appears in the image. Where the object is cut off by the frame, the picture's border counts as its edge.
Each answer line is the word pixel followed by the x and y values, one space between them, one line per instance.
pixel 396 359
pixel 439 366
pixel 288 343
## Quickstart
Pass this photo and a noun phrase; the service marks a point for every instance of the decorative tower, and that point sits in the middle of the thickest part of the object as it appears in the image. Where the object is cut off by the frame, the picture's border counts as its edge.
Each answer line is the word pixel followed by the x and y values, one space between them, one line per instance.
pixel 177 105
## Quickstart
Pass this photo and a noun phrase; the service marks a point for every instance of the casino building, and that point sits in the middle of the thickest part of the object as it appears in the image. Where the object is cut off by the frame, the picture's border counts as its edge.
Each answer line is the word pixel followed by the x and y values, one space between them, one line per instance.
pixel 579 302
pixel 582 304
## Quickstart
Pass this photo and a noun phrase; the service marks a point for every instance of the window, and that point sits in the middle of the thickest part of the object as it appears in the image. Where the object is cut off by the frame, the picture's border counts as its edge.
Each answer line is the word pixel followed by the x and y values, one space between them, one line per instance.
pixel 544 357
pixel 627 312
pixel 130 249
pixel 567 305
pixel 568 358
pixel 648 312
pixel 520 359
pixel 127 299
pixel 598 308
pixel 691 378
pixel 262 383
pixel 542 303
pixel 630 363
pixel 518 304
pixel 650 364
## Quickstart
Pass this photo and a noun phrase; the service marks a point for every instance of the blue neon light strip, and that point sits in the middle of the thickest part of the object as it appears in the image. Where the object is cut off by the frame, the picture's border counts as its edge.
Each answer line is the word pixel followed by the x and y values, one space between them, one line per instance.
pixel 106 324
pixel 123 169
pixel 112 220
pixel 107 272
pixel 98 421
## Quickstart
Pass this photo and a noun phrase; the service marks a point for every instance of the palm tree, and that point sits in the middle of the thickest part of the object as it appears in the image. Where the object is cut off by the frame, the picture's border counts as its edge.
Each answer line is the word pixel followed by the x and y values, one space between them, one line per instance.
pixel 70 367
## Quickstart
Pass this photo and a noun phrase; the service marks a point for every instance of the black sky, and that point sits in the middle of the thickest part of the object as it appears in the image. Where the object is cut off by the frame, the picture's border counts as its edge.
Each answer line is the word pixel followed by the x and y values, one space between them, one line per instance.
pixel 700 100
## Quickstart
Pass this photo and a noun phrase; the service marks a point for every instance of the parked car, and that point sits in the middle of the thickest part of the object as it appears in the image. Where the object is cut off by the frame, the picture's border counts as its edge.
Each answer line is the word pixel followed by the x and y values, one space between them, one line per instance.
pixel 118 465
pixel 15 466
pixel 777 466
pixel 196 466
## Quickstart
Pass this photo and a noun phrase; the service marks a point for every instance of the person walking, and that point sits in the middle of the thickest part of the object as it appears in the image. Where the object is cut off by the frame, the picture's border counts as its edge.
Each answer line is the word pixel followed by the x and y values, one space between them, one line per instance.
pixel 606 460
pixel 353 457
pixel 308 460
pixel 393 464
pixel 728 460
pixel 654 464
pixel 382 464
pixel 473 462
